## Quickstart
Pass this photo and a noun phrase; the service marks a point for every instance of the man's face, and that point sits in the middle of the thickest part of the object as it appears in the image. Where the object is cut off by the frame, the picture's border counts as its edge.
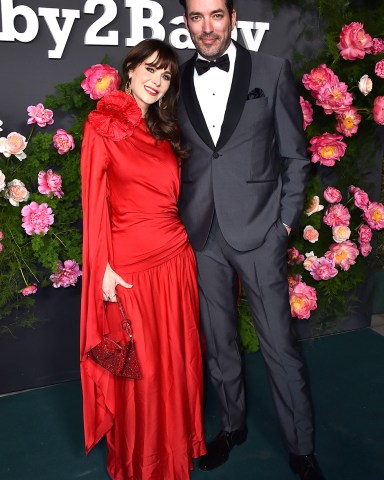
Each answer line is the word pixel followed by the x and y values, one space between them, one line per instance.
pixel 210 26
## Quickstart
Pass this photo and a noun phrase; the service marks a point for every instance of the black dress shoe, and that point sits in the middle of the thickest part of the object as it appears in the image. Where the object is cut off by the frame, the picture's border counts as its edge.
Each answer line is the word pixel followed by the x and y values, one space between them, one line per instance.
pixel 218 450
pixel 306 467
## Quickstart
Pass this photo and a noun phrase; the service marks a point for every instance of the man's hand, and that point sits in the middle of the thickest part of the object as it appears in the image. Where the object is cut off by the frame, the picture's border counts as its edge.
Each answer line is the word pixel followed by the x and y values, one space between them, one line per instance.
pixel 288 228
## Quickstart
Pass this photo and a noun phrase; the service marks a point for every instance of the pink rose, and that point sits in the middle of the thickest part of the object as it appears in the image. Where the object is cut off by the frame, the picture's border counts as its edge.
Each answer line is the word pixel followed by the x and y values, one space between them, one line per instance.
pixel 101 80
pixel 310 260
pixel 14 144
pixel 378 110
pixel 314 206
pixel 1 235
pixel 310 234
pixel 1 247
pixel 293 280
pixel 332 195
pixel 365 249
pixel 361 198
pixel 354 41
pixel 50 183
pixel 379 69
pixel 340 233
pixel 337 215
pixel 2 181
pixel 29 290
pixel 377 46
pixel 318 78
pixel 327 149
pixel 302 299
pixel 334 98
pixel 365 234
pixel 16 192
pixel 348 121
pixel 40 115
pixel 323 269
pixel 374 215
pixel 294 256
pixel 365 85
pixel 343 254
pixel 66 274
pixel 36 218
pixel 63 141
pixel 307 110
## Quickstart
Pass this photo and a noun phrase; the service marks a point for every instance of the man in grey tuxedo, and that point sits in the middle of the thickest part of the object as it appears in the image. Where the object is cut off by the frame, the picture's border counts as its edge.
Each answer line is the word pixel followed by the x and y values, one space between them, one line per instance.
pixel 242 192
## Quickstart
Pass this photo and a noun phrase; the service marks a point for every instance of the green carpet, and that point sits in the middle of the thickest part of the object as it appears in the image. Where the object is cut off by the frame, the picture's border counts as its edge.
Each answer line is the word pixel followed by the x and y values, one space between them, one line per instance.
pixel 41 430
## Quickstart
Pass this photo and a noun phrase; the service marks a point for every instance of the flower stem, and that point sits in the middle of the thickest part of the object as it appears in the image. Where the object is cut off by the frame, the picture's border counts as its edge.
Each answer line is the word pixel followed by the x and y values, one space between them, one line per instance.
pixel 31 132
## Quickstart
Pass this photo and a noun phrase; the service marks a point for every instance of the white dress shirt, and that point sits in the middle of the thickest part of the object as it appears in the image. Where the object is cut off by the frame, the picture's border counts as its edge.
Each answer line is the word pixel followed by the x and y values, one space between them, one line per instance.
pixel 212 90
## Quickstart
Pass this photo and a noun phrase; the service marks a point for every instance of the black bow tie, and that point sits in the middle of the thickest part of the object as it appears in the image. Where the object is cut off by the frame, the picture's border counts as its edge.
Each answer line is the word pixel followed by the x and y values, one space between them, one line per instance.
pixel 203 66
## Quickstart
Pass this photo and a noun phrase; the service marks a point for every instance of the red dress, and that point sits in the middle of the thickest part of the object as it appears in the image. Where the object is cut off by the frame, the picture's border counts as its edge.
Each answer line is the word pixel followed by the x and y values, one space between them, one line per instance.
pixel 153 426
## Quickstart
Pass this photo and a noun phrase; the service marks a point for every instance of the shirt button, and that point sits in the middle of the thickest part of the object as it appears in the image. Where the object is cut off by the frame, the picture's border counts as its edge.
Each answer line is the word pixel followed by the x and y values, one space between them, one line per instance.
pixel 215 155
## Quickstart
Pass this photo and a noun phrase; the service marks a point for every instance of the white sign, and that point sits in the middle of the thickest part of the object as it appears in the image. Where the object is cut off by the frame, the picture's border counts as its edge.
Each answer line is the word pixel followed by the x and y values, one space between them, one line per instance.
pixel 143 14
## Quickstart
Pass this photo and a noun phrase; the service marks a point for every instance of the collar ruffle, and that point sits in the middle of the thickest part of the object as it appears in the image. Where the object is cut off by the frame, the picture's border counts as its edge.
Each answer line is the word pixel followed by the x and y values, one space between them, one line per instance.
pixel 116 116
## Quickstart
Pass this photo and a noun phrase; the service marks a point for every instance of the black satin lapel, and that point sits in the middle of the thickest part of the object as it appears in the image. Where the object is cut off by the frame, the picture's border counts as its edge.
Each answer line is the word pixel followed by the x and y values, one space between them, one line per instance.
pixel 237 95
pixel 192 105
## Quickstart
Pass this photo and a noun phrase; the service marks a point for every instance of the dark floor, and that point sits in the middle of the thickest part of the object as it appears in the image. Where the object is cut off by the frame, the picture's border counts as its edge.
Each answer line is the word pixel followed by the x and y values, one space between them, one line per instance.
pixel 41 430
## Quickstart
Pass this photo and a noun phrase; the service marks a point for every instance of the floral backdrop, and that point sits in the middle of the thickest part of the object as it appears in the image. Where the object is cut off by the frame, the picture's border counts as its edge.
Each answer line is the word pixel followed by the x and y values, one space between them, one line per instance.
pixel 342 98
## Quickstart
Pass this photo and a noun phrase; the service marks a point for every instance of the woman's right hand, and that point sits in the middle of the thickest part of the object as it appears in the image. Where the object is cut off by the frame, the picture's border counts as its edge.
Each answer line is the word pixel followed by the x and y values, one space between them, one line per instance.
pixel 110 281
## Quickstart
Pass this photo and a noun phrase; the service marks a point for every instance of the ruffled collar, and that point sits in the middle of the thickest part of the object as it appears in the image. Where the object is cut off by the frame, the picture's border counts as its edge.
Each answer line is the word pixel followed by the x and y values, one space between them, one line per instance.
pixel 116 116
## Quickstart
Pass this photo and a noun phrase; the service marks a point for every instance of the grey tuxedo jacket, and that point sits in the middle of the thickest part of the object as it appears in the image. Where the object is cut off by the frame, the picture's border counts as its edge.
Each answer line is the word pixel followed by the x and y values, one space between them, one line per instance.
pixel 255 175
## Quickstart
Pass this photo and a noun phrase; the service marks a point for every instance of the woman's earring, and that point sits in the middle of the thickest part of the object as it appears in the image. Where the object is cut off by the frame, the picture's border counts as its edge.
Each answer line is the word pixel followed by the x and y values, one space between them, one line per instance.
pixel 128 88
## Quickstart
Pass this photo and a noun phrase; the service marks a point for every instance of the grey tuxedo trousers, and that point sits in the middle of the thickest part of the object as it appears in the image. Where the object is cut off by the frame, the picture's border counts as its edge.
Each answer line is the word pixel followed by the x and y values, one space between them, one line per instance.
pixel 263 274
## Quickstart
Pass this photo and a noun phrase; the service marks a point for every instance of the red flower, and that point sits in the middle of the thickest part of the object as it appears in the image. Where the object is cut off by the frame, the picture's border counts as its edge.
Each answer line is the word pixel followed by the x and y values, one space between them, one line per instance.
pixel 354 41
pixel 327 148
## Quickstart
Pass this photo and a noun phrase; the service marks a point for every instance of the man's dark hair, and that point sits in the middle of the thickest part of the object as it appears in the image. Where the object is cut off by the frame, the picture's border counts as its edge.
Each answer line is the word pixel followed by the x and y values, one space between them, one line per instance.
pixel 228 4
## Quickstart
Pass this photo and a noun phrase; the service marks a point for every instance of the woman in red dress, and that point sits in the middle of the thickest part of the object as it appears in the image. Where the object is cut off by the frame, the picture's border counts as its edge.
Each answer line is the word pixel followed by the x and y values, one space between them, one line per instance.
pixel 136 246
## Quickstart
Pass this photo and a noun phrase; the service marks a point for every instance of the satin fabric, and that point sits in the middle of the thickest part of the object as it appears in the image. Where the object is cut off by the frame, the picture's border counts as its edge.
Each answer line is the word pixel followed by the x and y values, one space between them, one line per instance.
pixel 153 426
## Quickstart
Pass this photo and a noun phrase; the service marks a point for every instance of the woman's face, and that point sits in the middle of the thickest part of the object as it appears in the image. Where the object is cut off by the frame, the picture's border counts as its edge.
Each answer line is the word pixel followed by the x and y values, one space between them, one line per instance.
pixel 149 83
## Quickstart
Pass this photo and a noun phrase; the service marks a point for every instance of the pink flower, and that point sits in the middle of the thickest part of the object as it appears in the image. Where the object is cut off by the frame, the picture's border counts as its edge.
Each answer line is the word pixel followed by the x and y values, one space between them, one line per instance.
pixel 341 233
pixel 343 254
pixel 332 195
pixel 2 181
pixel 302 299
pixel 16 192
pixel 365 249
pixel 377 46
pixel 310 260
pixel 29 290
pixel 374 215
pixel 365 234
pixel 293 280
pixel 36 218
pixel 40 115
pixel 314 206
pixel 348 121
pixel 294 256
pixel 1 247
pixel 379 69
pixel 361 198
pixel 377 111
pixel 101 79
pixel 66 274
pixel 14 144
pixel 334 98
pixel 327 149
pixel 307 110
pixel 354 41
pixel 318 78
pixel 50 183
pixel 337 215
pixel 365 85
pixel 323 269
pixel 63 141
pixel 310 234
pixel 1 235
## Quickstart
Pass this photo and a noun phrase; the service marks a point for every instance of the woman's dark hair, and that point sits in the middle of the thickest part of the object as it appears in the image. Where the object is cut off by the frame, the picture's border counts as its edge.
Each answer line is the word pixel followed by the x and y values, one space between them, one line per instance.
pixel 161 119
pixel 228 4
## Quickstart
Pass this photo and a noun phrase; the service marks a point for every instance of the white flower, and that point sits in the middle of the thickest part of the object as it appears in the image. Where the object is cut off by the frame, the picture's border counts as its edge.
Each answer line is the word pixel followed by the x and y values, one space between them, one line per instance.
pixel 365 85
pixel 16 192
pixel 0 126
pixel 13 144
pixel 2 180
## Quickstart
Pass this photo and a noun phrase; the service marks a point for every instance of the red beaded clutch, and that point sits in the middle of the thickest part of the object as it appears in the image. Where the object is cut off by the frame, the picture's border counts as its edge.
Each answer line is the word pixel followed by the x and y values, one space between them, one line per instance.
pixel 121 360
